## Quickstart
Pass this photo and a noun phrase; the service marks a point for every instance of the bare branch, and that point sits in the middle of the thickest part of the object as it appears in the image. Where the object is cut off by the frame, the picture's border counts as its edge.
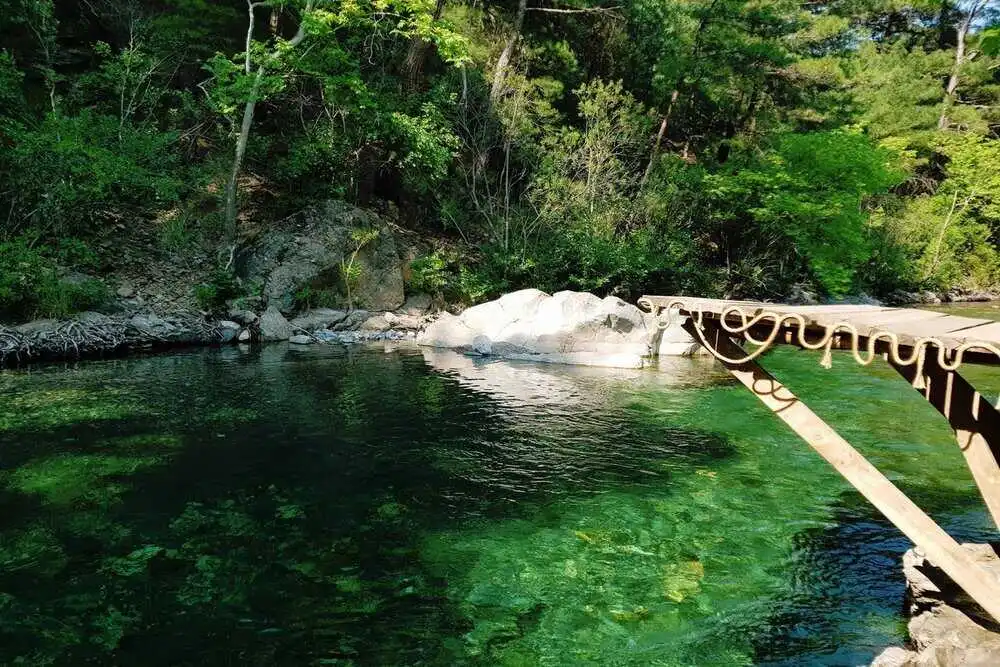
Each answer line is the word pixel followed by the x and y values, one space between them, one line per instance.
pixel 587 10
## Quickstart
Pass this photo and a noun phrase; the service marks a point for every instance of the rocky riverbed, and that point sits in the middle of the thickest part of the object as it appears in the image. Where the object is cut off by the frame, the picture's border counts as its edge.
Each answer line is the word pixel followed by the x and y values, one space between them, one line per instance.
pixel 947 629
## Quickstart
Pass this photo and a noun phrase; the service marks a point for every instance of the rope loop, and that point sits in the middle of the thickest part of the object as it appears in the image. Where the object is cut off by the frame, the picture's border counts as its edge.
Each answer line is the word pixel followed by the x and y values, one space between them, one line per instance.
pixel 831 335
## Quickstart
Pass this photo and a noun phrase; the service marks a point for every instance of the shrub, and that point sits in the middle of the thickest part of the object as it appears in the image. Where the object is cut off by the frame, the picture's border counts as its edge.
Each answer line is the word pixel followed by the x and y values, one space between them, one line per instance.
pixel 221 286
pixel 30 284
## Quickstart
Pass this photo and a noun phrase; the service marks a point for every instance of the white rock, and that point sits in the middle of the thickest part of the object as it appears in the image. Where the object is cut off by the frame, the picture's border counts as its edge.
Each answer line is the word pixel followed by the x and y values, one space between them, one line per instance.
pixel 567 327
pixel 300 339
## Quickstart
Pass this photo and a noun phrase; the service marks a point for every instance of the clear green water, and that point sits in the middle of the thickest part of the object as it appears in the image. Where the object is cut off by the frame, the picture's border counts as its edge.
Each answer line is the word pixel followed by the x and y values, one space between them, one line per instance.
pixel 324 507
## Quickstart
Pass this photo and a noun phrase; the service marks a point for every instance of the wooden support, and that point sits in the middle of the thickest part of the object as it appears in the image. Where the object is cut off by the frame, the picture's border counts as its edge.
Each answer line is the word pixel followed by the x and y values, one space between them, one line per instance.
pixel 940 548
pixel 976 423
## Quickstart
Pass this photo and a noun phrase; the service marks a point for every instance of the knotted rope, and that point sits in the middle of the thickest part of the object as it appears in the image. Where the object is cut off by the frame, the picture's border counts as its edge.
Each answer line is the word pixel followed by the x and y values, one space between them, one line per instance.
pixel 825 342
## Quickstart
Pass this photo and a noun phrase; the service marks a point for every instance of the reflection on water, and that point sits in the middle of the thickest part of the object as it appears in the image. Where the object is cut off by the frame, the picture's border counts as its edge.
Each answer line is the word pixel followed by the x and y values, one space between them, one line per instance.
pixel 332 507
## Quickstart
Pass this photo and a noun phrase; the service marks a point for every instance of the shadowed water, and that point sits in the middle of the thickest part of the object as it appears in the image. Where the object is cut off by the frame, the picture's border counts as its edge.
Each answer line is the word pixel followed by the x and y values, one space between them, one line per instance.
pixel 321 507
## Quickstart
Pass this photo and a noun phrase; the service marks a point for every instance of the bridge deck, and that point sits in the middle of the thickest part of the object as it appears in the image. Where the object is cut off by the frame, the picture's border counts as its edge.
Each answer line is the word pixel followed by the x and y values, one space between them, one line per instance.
pixel 908 324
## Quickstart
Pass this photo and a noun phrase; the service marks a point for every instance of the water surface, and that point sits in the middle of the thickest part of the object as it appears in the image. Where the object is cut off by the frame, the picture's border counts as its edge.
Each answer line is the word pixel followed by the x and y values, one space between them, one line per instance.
pixel 334 507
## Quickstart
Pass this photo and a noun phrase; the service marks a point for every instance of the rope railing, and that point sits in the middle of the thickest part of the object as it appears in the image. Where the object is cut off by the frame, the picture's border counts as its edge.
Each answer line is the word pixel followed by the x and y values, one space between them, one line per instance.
pixel 828 337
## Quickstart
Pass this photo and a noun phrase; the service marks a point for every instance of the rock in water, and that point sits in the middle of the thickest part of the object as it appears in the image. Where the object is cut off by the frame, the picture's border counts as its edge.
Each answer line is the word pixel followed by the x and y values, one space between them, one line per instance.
pixel 300 339
pixel 307 249
pixel 274 326
pixel 482 345
pixel 567 327
pixel 947 629
pixel 228 330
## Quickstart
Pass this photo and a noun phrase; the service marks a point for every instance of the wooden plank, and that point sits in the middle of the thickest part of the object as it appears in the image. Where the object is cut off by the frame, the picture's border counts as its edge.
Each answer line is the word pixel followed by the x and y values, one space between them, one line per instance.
pixel 975 421
pixel 940 547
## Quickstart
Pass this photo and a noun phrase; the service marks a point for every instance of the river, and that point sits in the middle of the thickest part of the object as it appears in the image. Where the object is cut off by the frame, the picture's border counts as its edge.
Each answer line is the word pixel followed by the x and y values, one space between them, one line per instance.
pixel 332 506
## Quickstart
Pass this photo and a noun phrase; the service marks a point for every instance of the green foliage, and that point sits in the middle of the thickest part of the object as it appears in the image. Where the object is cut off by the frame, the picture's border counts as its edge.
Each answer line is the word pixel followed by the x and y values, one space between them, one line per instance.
pixel 714 146
pixel 222 286
pixel 429 273
pixel 812 191
pixel 68 173
pixel 31 284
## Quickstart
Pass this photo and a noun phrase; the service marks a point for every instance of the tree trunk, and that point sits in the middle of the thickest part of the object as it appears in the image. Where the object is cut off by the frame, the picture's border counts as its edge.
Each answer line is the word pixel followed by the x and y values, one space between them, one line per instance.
pixel 503 62
pixel 241 149
pixel 956 69
pixel 416 55
pixel 664 124
pixel 232 185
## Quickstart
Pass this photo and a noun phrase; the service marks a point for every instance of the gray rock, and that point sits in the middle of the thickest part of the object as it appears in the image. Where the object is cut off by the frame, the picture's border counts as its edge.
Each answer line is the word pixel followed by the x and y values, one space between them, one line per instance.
pixel 36 325
pixel 228 330
pixel 377 322
pixel 405 322
pixel 90 317
pixel 354 319
pixel 482 346
pixel 125 291
pixel 319 318
pixel 152 325
pixel 946 628
pixel 307 249
pixel 801 295
pixel 245 336
pixel 894 656
pixel 300 339
pixel 244 317
pixel 945 637
pixel 417 305
pixel 274 326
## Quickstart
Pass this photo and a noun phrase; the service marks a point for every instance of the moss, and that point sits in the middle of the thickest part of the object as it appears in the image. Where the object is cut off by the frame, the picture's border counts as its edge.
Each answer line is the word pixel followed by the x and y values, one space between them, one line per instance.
pixel 35 549
pixel 47 409
pixel 66 479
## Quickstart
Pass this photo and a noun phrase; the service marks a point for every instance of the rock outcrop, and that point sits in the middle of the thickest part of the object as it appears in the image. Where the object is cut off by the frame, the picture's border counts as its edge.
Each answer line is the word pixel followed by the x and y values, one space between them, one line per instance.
pixel 567 327
pixel 308 250
pixel 947 629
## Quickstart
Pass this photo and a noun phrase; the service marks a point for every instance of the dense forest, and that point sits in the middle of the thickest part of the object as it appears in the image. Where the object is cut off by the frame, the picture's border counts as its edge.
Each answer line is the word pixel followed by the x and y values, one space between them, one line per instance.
pixel 718 147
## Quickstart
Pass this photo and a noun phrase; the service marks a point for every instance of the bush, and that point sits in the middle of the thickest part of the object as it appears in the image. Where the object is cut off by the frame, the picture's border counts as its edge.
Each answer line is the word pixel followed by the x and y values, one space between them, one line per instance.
pixel 70 172
pixel 30 285
pixel 221 286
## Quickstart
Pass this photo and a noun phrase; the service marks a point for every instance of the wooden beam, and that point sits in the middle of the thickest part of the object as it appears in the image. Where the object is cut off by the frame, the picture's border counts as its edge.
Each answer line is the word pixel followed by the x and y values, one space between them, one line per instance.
pixel 942 550
pixel 975 421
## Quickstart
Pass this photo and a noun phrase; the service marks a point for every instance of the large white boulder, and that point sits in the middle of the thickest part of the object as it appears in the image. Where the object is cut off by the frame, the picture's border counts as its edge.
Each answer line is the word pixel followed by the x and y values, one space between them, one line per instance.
pixel 566 327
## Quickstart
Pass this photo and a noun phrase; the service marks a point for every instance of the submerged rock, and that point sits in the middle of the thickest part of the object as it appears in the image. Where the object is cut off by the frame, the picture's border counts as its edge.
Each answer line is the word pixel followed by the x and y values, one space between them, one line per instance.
pixel 567 327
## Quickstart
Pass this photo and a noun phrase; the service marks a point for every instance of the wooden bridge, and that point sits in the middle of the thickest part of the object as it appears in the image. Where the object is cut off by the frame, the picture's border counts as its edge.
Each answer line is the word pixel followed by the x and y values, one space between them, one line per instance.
pixel 926 348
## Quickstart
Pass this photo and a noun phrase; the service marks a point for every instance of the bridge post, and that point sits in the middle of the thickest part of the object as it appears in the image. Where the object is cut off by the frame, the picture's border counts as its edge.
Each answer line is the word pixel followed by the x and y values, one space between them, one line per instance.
pixel 975 421
pixel 940 547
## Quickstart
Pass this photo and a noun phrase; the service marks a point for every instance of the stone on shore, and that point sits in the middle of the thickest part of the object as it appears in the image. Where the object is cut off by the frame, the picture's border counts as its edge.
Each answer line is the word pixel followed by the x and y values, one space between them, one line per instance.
pixel 319 318
pixel 274 326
